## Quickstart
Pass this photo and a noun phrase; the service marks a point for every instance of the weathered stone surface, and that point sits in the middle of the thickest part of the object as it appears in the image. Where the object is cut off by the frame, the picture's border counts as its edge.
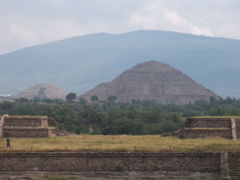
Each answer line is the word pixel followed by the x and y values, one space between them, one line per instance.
pixel 106 175
pixel 42 91
pixel 106 166
pixel 238 128
pixel 75 162
pixel 25 132
pixel 21 121
pixel 211 127
pixel 152 81
pixel 29 126
pixel 201 133
pixel 208 123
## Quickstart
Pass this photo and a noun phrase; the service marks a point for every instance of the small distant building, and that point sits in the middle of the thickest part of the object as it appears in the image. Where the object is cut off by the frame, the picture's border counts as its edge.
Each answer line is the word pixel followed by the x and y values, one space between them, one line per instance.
pixel 29 126
pixel 201 127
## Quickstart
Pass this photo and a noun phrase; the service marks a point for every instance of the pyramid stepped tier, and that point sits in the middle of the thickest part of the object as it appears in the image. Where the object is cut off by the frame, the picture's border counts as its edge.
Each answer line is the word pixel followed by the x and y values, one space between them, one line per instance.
pixel 208 122
pixel 153 81
pixel 28 126
pixel 205 132
pixel 200 127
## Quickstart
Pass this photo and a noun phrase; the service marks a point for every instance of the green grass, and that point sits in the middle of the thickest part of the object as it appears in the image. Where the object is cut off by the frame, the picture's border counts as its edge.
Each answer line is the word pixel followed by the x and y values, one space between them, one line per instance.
pixel 121 143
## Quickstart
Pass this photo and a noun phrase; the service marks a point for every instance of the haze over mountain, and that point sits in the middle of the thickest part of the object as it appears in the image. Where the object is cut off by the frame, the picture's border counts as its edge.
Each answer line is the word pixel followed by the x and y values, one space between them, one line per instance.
pixel 152 81
pixel 80 63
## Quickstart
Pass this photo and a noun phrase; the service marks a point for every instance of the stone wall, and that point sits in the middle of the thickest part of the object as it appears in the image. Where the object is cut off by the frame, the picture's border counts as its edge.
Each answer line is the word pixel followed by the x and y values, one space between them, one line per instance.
pixel 76 162
pixel 28 126
pixel 29 121
pixel 52 122
pixel 208 122
pixel 234 165
pixel 116 175
pixel 15 121
pixel 225 127
pixel 238 127
pixel 200 133
pixel 25 132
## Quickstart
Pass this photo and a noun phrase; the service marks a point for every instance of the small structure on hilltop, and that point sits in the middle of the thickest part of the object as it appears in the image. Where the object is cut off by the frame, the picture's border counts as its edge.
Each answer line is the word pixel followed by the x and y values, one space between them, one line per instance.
pixel 200 127
pixel 29 126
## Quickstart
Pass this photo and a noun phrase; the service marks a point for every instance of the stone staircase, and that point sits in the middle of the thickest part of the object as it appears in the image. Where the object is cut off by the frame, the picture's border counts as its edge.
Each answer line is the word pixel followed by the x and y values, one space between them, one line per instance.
pixel 234 129
pixel 1 125
pixel 52 132
pixel 200 127
pixel 234 165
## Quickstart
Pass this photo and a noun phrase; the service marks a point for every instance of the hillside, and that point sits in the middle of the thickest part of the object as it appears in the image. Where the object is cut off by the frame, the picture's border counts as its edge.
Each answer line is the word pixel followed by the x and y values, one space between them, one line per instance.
pixel 78 64
pixel 152 81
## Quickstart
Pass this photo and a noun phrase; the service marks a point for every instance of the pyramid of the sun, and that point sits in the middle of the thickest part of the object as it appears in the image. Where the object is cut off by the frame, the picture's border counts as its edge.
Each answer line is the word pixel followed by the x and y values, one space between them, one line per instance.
pixel 152 81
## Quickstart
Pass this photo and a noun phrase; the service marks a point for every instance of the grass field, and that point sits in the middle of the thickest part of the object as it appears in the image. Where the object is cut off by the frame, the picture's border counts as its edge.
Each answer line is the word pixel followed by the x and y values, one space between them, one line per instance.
pixel 124 143
pixel 219 117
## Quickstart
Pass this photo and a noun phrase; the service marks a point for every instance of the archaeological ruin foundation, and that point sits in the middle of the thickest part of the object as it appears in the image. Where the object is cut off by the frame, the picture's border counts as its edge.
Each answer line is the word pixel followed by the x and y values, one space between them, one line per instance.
pixel 201 127
pixel 28 126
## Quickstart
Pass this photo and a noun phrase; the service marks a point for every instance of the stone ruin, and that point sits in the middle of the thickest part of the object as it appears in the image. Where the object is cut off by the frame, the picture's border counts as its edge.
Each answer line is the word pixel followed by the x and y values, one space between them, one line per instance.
pixel 29 127
pixel 200 127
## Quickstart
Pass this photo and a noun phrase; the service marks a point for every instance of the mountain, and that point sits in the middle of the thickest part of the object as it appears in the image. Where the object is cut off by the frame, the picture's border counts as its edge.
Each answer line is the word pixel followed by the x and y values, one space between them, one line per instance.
pixel 42 91
pixel 153 81
pixel 80 63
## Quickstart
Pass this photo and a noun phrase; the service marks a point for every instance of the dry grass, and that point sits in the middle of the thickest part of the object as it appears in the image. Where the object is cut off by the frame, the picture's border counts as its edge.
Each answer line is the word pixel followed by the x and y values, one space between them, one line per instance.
pixel 218 117
pixel 121 143
pixel 203 128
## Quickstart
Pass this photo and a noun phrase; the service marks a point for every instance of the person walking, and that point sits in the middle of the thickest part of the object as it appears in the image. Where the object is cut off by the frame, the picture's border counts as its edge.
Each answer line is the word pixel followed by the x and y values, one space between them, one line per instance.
pixel 8 142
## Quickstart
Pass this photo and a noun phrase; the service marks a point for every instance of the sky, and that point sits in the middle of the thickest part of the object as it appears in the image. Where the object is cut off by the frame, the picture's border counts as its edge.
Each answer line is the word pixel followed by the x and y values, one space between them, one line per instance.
pixel 24 23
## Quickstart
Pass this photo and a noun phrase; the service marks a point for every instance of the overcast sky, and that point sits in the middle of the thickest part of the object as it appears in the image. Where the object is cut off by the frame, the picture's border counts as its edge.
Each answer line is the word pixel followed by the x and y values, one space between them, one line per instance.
pixel 24 23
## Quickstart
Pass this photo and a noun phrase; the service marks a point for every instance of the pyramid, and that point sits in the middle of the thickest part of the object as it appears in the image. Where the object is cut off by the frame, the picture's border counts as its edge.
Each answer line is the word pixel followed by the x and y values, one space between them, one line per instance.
pixel 42 91
pixel 152 81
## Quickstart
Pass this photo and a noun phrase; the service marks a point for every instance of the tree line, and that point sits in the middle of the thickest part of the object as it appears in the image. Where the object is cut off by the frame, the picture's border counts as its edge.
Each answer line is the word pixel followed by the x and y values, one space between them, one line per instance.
pixel 110 117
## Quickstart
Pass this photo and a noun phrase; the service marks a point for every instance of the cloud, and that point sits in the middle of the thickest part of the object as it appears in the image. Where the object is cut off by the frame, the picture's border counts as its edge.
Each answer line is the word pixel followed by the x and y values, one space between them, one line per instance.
pixel 30 22
pixel 25 34
pixel 156 16
pixel 186 24
pixel 20 31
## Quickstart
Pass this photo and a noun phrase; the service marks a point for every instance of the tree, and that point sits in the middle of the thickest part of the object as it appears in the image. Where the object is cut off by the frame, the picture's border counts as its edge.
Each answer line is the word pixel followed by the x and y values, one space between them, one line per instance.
pixel 71 97
pixel 83 101
pixel 21 100
pixel 212 101
pixel 127 126
pixel 94 98
pixel 112 98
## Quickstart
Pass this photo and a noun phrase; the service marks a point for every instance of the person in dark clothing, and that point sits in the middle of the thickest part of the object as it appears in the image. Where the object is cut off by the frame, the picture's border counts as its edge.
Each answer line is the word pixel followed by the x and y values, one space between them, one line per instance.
pixel 8 143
